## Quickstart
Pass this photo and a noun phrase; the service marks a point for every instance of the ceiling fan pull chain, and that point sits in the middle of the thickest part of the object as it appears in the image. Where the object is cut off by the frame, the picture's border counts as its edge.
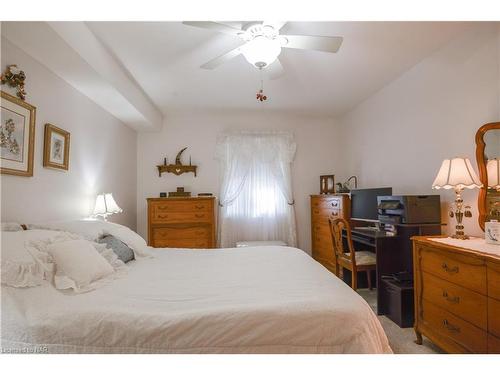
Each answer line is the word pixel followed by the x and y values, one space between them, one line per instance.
pixel 260 95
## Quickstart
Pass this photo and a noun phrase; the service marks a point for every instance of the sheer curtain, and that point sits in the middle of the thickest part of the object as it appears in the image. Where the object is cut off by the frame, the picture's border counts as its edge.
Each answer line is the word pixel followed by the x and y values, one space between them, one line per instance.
pixel 256 198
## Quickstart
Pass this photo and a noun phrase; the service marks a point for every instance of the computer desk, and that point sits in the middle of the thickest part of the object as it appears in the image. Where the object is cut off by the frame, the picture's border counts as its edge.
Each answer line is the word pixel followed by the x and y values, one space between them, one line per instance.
pixel 393 253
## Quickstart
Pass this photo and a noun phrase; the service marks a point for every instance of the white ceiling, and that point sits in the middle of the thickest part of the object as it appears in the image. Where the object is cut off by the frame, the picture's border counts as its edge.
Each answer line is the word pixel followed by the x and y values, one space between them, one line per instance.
pixel 164 59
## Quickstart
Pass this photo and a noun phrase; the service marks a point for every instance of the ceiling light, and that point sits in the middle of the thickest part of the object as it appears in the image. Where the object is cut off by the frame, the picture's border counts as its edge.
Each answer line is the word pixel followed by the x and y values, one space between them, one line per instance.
pixel 262 51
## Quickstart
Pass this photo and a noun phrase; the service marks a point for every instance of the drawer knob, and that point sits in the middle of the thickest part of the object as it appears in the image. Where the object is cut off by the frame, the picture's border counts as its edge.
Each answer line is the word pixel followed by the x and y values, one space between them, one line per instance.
pixel 162 216
pixel 455 299
pixel 335 204
pixel 199 207
pixel 199 216
pixel 450 327
pixel 449 269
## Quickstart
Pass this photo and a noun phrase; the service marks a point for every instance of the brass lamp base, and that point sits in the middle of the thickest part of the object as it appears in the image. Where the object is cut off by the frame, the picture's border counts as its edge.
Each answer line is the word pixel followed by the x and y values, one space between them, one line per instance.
pixel 458 212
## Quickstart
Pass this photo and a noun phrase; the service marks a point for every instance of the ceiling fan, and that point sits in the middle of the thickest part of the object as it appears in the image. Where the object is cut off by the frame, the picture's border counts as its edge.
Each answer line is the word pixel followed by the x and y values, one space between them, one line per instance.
pixel 263 43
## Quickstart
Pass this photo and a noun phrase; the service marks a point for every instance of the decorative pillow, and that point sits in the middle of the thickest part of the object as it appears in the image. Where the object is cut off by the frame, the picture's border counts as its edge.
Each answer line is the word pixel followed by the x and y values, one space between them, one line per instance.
pixel 11 227
pixel 93 229
pixel 78 264
pixel 124 253
pixel 23 266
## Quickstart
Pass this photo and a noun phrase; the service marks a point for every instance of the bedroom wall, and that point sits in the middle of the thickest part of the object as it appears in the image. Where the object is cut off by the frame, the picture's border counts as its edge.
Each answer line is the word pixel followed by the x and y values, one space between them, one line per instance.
pixel 399 136
pixel 102 153
pixel 317 148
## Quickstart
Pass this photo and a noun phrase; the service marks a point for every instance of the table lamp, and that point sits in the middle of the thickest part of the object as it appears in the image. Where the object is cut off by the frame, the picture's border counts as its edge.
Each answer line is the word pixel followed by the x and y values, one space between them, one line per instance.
pixel 457 174
pixel 105 205
pixel 493 172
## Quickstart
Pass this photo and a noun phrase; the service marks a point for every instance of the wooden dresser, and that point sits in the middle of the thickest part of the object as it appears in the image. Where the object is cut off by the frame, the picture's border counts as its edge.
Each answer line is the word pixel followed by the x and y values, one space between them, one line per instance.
pixel 324 207
pixel 457 297
pixel 181 222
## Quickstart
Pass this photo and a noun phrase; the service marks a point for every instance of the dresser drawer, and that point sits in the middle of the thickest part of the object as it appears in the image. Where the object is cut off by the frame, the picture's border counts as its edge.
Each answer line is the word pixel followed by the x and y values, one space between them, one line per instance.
pixel 327 203
pixel 181 217
pixel 467 271
pixel 323 214
pixel 494 280
pixel 494 316
pixel 464 303
pixel 182 206
pixel 493 345
pixel 169 233
pixel 461 332
pixel 321 230
pixel 189 243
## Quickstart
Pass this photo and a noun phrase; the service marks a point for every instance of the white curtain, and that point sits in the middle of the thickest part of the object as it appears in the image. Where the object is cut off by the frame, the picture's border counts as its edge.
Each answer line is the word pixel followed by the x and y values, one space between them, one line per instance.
pixel 256 198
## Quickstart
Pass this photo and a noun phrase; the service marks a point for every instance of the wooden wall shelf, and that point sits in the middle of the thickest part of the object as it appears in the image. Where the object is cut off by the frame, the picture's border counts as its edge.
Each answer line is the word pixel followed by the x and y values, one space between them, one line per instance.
pixel 176 169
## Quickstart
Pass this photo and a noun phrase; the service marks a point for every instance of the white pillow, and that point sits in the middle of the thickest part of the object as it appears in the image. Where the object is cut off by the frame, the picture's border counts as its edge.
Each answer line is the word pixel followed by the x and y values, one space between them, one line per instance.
pixel 23 266
pixel 78 264
pixel 93 229
pixel 11 227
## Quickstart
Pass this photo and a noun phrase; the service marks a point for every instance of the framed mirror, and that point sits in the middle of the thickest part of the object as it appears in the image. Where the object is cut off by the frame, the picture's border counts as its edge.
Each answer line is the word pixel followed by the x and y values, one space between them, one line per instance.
pixel 488 162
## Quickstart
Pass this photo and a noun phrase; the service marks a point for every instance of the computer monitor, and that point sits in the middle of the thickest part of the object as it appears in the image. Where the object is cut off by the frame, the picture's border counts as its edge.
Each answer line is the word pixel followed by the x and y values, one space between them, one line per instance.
pixel 364 203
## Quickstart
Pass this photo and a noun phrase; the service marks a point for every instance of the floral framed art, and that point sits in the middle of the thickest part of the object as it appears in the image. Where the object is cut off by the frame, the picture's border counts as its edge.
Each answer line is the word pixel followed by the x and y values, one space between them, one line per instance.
pixel 56 148
pixel 17 136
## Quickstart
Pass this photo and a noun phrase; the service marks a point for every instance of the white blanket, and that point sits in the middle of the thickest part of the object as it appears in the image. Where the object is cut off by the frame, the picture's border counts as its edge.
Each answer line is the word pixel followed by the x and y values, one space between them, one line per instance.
pixel 242 300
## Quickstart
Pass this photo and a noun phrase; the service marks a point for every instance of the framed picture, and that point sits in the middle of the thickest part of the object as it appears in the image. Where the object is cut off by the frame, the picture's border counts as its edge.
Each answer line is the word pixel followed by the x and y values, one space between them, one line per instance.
pixel 327 184
pixel 17 136
pixel 56 148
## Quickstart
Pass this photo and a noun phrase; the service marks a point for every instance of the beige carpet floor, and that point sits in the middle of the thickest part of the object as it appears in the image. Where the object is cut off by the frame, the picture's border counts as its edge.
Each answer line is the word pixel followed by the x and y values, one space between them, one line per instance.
pixel 402 340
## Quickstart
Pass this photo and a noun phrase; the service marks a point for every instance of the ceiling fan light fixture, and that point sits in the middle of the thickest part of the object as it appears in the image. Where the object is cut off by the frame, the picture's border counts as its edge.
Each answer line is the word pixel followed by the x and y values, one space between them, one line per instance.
pixel 262 51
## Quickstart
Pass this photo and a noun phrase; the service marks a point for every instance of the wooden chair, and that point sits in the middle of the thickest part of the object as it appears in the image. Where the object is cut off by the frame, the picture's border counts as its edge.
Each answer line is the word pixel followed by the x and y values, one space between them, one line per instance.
pixel 355 261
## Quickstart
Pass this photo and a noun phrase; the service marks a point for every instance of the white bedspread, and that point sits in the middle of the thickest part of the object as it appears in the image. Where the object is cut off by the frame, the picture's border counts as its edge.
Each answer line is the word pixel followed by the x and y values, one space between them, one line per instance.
pixel 244 300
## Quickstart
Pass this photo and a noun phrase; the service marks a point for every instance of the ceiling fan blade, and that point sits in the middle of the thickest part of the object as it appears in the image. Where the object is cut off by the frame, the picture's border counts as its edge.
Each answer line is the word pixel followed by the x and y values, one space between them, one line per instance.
pixel 277 25
pixel 317 43
pixel 215 26
pixel 275 70
pixel 214 63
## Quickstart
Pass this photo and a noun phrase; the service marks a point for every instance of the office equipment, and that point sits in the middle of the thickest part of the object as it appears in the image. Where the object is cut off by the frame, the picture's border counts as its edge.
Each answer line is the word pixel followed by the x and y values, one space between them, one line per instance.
pixel 408 209
pixel 364 203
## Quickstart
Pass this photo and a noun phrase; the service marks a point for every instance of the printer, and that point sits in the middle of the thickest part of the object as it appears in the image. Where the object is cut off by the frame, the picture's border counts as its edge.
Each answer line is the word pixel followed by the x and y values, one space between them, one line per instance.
pixel 409 209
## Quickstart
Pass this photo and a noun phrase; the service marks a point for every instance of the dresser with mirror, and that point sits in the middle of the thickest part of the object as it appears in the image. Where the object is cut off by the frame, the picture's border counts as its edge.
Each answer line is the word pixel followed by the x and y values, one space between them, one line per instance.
pixel 457 281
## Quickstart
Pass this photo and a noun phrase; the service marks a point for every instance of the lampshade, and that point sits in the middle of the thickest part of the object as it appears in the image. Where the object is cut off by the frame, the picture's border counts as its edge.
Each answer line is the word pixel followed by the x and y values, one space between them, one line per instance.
pixel 456 173
pixel 262 51
pixel 105 205
pixel 493 172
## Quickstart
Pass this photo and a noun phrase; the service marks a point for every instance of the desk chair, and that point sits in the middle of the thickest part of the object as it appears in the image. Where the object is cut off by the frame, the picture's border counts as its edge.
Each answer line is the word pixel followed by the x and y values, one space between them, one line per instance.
pixel 355 261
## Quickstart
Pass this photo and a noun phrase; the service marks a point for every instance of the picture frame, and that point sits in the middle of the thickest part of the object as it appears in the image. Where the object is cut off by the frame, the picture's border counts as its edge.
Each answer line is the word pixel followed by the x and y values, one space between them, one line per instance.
pixel 327 184
pixel 56 148
pixel 17 136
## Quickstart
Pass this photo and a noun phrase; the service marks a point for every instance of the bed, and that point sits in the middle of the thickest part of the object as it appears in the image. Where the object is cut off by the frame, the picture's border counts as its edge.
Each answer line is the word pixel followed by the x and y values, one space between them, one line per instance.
pixel 242 300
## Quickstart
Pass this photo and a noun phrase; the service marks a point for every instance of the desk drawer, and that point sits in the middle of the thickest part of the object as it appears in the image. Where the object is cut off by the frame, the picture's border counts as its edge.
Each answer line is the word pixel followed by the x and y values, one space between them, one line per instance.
pixel 466 271
pixel 494 280
pixel 446 324
pixel 181 217
pixel 494 316
pixel 464 303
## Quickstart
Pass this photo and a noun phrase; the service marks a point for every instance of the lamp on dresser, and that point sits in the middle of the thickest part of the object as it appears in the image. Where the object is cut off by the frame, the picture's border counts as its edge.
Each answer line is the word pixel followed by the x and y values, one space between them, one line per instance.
pixel 457 174
pixel 105 205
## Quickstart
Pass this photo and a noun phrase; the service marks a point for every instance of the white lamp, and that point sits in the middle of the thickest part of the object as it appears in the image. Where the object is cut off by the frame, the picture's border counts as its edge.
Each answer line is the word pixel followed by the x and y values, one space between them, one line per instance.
pixel 493 172
pixel 105 205
pixel 262 51
pixel 457 174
